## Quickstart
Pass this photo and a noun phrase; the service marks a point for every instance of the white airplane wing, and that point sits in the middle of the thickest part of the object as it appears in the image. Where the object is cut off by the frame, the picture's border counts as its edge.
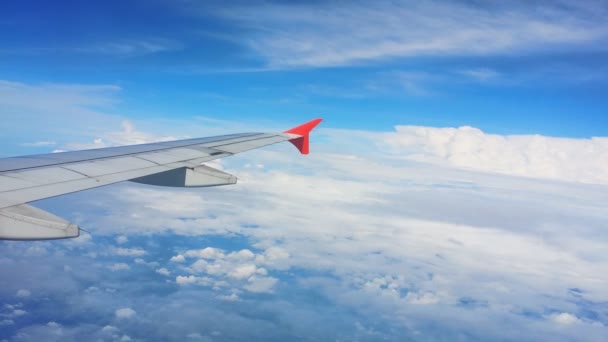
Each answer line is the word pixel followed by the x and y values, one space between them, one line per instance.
pixel 172 163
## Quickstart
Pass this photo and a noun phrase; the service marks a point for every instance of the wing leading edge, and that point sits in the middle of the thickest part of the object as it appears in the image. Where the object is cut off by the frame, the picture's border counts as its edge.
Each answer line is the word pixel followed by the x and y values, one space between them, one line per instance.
pixel 173 163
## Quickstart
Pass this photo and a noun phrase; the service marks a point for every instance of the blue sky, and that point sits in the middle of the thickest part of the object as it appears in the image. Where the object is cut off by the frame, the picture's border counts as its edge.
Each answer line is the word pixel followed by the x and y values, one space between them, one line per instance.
pixel 508 69
pixel 457 189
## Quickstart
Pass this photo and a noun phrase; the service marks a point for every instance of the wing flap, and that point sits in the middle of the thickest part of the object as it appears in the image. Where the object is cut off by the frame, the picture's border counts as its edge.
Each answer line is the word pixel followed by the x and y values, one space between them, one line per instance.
pixel 186 177
pixel 25 222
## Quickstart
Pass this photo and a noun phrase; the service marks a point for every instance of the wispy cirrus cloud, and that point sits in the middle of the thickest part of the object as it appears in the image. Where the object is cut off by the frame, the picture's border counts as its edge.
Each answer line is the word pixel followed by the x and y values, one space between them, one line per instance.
pixel 346 33
pixel 480 74
pixel 128 48
pixel 39 144
pixel 35 111
pixel 113 48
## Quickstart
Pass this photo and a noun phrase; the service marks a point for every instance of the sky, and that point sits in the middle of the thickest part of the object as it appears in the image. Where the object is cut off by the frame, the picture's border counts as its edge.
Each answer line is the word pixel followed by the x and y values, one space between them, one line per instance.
pixel 456 190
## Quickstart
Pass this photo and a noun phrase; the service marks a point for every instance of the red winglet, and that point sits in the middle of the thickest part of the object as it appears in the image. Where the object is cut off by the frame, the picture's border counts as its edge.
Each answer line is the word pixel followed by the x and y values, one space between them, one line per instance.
pixel 302 142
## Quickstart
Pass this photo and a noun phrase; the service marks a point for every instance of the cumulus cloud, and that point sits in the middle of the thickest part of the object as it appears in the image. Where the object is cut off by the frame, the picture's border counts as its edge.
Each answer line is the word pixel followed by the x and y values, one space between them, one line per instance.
pixel 261 284
pixel 18 312
pixel 233 297
pixel 206 253
pixel 122 239
pixel 163 271
pixel 581 160
pixel 238 269
pixel 178 258
pixel 564 318
pixel 129 251
pixel 36 250
pixel 185 280
pixel 125 313
pixel 275 258
pixel 110 329
pixel 243 271
pixel 22 293
pixel 129 135
pixel 120 266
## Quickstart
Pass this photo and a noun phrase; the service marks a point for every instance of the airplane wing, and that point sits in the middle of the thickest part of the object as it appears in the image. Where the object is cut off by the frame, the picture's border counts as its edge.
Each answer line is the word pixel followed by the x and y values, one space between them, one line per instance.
pixel 172 163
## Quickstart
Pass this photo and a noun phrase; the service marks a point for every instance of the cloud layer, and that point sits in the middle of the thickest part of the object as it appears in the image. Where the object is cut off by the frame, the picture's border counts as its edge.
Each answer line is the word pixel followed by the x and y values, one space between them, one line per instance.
pixel 418 233
pixel 396 248
pixel 345 33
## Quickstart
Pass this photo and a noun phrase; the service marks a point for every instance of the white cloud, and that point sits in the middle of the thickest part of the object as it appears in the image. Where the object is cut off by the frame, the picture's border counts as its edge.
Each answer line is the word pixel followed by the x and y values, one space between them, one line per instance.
pixel 275 257
pixel 233 297
pixel 121 266
pixel 243 271
pixel 121 239
pixel 185 280
pixel 422 298
pixel 238 269
pixel 36 251
pixel 6 322
pixel 480 74
pixel 53 325
pixel 206 253
pixel 178 258
pixel 125 313
pixel 243 254
pixel 565 318
pixel 129 251
pixel 569 159
pixel 261 284
pixel 302 36
pixel 110 329
pixel 22 293
pixel 163 271
pixel 18 312
pixel 40 144
pixel 129 135
pixel 128 48
pixel 24 104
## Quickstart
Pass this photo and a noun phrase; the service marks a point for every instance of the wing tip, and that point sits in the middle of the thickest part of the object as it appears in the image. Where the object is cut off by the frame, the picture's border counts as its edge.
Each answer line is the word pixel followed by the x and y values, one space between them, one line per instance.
pixel 302 143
